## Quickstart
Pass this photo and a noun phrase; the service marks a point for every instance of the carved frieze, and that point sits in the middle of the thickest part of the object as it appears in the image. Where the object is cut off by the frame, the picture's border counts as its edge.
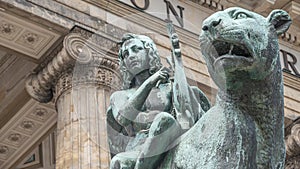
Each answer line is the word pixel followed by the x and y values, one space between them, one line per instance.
pixel 88 75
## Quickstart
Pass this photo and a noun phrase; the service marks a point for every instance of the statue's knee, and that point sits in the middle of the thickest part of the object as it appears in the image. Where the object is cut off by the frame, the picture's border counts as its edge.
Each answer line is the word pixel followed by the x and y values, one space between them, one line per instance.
pixel 162 122
pixel 115 163
pixel 121 163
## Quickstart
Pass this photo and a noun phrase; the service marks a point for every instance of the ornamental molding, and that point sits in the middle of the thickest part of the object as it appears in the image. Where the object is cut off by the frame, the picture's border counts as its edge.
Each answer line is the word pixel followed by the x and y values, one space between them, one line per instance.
pixel 291 81
pixel 88 75
pixel 24 36
pixel 24 130
pixel 290 38
pixel 293 8
pixel 78 53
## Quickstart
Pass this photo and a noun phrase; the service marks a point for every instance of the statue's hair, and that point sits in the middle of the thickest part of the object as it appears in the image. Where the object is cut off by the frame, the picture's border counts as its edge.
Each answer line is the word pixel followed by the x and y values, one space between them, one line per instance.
pixel 151 50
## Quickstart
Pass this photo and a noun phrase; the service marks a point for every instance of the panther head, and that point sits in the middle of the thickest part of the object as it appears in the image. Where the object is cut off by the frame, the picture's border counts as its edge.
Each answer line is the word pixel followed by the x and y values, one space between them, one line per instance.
pixel 240 44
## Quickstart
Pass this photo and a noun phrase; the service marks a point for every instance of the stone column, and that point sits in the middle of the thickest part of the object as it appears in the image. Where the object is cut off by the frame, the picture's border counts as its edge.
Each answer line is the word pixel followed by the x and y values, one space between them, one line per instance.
pixel 82 78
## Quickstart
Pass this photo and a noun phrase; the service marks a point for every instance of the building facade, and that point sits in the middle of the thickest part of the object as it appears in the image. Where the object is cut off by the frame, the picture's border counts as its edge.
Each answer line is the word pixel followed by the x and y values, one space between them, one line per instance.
pixel 65 53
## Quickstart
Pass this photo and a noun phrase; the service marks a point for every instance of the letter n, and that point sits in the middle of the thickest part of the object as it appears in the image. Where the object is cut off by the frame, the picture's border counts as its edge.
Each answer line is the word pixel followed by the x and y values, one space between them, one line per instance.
pixel 171 7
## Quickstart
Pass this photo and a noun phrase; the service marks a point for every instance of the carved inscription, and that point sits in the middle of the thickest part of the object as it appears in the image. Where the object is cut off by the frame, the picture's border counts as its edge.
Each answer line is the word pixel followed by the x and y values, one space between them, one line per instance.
pixel 289 62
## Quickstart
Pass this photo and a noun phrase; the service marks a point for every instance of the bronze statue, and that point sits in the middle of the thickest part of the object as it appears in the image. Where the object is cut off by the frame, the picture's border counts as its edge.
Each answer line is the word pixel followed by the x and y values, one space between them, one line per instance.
pixel 146 109
pixel 244 129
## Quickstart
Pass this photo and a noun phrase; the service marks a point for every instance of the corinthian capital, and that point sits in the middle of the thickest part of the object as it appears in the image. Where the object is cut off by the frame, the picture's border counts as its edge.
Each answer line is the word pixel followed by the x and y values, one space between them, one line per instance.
pixel 99 64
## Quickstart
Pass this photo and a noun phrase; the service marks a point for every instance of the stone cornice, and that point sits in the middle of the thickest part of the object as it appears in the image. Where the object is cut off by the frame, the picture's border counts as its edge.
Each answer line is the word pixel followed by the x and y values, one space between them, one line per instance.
pixel 76 50
pixel 261 7
pixel 291 80
pixel 144 19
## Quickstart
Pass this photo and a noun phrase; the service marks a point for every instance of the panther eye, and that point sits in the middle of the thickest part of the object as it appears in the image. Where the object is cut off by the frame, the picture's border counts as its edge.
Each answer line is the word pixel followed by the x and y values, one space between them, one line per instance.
pixel 240 15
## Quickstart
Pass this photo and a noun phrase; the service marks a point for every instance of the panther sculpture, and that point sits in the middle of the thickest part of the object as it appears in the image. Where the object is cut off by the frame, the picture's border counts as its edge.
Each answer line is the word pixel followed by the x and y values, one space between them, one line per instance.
pixel 244 129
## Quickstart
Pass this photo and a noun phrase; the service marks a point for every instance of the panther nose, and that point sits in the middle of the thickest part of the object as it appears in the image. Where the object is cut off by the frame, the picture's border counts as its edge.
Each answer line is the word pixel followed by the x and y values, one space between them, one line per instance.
pixel 212 24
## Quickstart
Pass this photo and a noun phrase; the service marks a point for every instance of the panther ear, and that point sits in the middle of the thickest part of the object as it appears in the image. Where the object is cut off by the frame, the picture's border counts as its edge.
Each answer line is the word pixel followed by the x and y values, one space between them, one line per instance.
pixel 280 19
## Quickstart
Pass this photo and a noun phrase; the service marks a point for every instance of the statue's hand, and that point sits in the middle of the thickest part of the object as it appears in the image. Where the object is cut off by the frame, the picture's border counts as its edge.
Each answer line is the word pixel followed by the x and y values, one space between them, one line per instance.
pixel 148 117
pixel 160 76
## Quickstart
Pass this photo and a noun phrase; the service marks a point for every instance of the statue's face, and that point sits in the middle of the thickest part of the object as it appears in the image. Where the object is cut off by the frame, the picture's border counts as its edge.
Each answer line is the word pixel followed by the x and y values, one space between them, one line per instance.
pixel 238 43
pixel 135 56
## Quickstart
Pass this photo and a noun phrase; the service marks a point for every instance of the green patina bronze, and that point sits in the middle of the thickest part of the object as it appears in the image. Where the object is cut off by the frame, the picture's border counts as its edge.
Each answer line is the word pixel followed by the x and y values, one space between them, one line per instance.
pixel 243 130
pixel 144 118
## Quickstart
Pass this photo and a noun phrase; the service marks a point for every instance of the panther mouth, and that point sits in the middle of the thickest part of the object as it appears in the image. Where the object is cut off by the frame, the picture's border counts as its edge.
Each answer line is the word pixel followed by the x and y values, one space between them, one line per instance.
pixel 231 50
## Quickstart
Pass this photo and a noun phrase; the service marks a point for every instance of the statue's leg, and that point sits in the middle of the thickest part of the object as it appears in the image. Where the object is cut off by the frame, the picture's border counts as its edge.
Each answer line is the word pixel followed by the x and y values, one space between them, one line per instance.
pixel 124 160
pixel 163 131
